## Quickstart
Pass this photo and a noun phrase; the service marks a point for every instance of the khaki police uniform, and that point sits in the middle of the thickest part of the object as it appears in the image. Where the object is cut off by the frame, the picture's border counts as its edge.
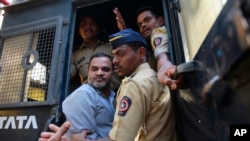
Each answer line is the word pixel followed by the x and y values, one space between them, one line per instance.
pixel 143 110
pixel 159 41
pixel 81 57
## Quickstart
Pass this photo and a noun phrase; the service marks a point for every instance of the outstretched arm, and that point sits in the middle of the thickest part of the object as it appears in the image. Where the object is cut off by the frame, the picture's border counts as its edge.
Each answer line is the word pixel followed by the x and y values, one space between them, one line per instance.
pixel 165 69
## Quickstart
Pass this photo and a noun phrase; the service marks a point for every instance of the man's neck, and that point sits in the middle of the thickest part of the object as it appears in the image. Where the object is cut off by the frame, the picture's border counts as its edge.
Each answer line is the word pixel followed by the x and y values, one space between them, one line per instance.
pixel 106 91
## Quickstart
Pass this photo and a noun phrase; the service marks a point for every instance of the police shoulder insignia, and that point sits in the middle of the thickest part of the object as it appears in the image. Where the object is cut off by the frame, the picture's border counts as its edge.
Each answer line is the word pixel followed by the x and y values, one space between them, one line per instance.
pixel 157 41
pixel 124 106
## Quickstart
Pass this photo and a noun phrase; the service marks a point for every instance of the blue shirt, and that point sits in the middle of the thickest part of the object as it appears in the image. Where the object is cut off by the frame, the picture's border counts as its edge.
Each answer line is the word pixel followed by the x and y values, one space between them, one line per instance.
pixel 88 109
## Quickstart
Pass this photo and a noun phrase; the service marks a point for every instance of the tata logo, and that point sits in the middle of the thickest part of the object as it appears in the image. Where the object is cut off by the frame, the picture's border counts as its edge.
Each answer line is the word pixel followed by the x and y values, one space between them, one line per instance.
pixel 18 122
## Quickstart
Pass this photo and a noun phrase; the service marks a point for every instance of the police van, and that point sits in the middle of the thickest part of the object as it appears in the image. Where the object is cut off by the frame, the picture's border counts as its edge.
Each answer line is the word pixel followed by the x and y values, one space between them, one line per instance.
pixel 209 41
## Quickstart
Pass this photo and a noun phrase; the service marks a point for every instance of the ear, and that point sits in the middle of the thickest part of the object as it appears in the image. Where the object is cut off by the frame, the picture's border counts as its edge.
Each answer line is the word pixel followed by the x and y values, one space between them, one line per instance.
pixel 142 52
pixel 160 20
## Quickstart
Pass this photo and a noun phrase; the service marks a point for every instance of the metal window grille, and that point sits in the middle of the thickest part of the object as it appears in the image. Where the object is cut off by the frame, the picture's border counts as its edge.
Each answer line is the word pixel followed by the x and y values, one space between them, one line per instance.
pixel 26 53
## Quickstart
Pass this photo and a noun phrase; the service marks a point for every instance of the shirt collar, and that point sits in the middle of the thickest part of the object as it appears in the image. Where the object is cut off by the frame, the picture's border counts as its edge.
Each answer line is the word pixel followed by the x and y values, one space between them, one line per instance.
pixel 140 67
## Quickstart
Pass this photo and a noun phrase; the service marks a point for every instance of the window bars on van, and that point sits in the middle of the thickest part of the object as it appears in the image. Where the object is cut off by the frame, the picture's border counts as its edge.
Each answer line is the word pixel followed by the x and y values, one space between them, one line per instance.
pixel 27 53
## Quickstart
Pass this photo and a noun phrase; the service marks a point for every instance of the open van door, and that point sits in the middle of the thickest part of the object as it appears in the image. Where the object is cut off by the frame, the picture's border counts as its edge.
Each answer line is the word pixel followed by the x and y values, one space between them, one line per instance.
pixel 214 103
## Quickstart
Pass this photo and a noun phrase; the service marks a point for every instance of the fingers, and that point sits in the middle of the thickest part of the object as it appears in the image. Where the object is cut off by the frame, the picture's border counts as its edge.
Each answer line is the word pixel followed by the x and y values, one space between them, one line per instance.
pixel 176 84
pixel 57 134
pixel 45 136
pixel 171 84
pixel 53 127
pixel 169 80
pixel 171 71
pixel 118 15
pixel 59 131
pixel 42 139
pixel 119 19
pixel 117 12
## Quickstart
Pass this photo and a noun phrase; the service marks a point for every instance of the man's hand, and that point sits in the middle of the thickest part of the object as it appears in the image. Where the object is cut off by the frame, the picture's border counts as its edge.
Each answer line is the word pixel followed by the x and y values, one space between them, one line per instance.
pixel 171 82
pixel 58 133
pixel 166 72
pixel 119 19
pixel 82 136
pixel 165 77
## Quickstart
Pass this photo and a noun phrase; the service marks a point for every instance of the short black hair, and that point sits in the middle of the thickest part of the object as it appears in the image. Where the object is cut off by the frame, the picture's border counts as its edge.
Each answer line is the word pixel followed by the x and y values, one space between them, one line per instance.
pixel 136 45
pixel 155 11
pixel 94 18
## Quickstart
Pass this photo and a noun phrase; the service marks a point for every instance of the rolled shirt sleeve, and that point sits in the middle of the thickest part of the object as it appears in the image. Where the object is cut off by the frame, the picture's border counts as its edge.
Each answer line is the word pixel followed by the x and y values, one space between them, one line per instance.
pixel 159 41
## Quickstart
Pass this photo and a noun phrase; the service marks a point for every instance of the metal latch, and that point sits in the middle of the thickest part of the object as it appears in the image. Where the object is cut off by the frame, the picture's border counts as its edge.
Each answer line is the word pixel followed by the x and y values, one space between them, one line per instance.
pixel 187 68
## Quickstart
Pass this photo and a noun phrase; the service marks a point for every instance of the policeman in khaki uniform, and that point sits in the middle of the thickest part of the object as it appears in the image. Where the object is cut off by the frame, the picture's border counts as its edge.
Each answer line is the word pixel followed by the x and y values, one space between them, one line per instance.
pixel 143 110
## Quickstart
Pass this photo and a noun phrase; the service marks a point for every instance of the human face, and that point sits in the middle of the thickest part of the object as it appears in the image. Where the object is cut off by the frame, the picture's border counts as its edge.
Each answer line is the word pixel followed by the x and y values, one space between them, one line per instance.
pixel 125 60
pixel 146 22
pixel 100 72
pixel 88 28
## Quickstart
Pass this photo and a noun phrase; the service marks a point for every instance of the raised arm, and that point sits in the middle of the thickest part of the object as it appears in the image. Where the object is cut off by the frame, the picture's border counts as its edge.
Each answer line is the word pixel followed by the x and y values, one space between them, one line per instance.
pixel 119 19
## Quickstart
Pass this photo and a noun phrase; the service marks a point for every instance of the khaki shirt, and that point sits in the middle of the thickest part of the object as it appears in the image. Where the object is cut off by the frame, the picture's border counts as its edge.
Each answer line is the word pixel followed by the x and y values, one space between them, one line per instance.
pixel 81 57
pixel 159 40
pixel 143 110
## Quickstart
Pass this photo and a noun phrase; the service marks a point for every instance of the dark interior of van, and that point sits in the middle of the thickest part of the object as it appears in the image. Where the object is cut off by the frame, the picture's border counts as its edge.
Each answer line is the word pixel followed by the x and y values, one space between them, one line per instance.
pixel 103 13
